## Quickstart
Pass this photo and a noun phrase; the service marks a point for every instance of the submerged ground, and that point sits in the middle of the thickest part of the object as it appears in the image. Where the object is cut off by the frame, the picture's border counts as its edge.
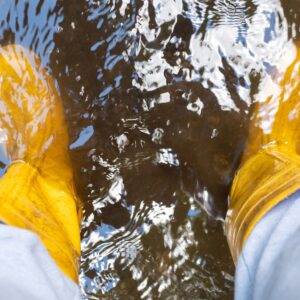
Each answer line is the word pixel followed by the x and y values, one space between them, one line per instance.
pixel 157 95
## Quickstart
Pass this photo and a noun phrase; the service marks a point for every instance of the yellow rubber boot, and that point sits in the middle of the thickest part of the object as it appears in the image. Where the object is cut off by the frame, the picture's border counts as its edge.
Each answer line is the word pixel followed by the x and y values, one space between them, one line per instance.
pixel 37 191
pixel 270 167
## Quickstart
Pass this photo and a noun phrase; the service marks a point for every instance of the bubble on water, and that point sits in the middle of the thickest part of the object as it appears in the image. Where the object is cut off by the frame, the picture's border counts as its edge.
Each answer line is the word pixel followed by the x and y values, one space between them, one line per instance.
pixel 167 157
pixel 122 141
pixel 157 135
pixel 196 106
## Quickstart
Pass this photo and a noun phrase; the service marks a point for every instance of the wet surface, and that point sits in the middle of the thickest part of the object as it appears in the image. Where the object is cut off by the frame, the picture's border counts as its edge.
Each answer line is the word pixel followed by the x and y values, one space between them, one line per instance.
pixel 158 96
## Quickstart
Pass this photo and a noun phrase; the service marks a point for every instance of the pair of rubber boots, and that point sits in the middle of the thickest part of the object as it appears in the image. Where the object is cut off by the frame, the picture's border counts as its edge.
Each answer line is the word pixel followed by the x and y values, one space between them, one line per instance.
pixel 37 191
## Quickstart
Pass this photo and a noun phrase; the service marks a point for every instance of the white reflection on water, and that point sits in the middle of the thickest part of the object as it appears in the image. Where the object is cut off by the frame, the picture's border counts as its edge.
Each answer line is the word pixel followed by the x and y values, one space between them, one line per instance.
pixel 111 246
pixel 246 38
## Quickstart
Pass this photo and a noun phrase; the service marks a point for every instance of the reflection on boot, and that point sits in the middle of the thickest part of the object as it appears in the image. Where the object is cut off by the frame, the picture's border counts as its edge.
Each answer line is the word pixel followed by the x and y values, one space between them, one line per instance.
pixel 37 190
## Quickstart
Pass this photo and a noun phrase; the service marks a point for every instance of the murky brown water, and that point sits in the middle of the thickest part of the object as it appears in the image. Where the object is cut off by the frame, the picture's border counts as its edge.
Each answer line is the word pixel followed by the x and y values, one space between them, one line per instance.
pixel 157 94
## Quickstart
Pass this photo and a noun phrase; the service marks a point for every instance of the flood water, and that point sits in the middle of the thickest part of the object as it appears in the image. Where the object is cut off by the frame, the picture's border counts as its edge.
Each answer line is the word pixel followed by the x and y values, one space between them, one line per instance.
pixel 158 96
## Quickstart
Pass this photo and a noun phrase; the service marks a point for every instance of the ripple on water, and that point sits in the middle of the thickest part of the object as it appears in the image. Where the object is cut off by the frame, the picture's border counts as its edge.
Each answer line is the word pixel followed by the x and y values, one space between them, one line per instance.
pixel 158 95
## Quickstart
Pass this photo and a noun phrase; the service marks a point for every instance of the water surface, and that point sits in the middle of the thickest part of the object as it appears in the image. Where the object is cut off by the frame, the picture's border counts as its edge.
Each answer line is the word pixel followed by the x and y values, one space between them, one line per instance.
pixel 158 95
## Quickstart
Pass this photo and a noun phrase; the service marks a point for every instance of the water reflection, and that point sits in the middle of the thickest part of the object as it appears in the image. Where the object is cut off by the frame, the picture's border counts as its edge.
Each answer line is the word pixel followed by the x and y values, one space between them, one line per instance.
pixel 158 95
pixel 31 24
